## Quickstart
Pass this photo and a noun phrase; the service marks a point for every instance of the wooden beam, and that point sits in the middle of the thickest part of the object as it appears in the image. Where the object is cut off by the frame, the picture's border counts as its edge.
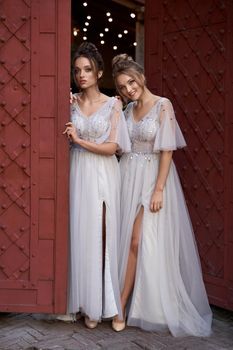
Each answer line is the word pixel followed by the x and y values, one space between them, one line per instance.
pixel 132 4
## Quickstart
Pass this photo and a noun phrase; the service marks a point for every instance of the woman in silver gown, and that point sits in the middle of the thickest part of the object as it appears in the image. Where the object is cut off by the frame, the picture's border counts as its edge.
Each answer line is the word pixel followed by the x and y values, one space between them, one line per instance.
pixel 160 274
pixel 97 130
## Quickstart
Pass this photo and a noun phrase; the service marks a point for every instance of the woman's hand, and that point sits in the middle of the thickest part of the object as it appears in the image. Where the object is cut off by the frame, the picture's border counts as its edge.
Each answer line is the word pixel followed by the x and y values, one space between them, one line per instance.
pixel 73 98
pixel 71 133
pixel 156 202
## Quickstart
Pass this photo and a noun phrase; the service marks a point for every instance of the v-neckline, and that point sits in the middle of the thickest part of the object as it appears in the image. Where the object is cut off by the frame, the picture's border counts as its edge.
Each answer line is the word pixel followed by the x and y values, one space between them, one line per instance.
pixel 145 115
pixel 94 113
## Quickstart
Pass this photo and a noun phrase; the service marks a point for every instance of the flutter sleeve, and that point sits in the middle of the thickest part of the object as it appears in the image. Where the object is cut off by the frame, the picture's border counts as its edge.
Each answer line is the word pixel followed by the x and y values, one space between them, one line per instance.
pixel 119 132
pixel 169 136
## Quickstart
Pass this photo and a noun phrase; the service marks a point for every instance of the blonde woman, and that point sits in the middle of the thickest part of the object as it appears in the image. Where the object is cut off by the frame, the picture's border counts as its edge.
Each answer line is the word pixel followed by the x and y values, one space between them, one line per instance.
pixel 160 275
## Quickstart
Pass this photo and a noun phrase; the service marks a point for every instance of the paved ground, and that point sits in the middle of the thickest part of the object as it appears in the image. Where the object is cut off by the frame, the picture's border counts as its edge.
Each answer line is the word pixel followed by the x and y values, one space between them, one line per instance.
pixel 29 332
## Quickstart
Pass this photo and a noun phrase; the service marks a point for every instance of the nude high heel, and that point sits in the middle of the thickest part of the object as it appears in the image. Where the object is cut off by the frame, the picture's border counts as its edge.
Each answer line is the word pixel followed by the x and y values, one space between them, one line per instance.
pixel 89 323
pixel 117 325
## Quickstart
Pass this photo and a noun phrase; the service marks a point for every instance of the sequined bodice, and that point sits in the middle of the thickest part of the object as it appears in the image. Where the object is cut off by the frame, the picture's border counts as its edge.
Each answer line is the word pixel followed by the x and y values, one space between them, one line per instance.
pixel 94 127
pixel 142 134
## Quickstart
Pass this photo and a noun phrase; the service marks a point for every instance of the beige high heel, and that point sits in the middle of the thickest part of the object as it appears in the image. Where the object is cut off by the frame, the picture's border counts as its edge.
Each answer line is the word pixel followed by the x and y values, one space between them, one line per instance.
pixel 66 318
pixel 117 325
pixel 89 323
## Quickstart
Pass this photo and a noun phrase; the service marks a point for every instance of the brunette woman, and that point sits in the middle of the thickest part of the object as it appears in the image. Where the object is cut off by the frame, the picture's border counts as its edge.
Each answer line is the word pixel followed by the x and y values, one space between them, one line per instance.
pixel 97 130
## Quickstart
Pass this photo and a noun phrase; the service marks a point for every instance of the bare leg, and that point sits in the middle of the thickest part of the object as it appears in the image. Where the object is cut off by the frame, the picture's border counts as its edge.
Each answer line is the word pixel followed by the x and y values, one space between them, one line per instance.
pixel 132 262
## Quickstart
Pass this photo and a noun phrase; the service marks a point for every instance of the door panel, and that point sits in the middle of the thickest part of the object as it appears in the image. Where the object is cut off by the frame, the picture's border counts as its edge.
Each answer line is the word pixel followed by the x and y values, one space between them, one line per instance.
pixel 188 59
pixel 34 74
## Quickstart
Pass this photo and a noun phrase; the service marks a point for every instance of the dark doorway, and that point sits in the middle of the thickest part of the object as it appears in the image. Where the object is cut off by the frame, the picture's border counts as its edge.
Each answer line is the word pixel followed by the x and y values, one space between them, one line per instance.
pixel 111 25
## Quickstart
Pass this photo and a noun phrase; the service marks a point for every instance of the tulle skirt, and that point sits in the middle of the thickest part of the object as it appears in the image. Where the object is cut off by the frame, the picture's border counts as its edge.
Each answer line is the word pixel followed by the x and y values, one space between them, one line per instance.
pixel 169 292
pixel 93 283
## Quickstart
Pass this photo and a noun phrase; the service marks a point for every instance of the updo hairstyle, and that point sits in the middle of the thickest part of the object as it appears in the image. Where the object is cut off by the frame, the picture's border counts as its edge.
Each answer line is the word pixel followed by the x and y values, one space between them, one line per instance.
pixel 124 64
pixel 89 51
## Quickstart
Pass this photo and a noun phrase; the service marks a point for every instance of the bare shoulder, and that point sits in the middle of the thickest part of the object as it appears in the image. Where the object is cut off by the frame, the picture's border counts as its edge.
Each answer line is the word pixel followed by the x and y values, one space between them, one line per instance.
pixel 104 98
pixel 156 97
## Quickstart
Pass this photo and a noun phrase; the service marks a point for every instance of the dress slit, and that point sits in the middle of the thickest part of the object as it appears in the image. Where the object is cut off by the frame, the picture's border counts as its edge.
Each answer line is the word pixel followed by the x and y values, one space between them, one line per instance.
pixel 103 233
pixel 140 207
pixel 108 303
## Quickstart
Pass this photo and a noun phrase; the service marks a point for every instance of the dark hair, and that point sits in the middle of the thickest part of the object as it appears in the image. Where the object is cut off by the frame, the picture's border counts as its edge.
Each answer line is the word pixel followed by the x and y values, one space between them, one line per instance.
pixel 89 51
pixel 124 64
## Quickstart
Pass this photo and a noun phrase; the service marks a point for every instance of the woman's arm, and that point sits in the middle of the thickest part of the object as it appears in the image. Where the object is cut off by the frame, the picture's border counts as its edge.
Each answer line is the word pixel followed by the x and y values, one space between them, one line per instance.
pixel 164 165
pixel 107 148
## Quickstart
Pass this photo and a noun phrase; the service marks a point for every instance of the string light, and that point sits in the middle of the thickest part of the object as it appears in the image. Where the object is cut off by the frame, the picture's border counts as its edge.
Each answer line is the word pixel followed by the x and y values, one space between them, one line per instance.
pixel 75 31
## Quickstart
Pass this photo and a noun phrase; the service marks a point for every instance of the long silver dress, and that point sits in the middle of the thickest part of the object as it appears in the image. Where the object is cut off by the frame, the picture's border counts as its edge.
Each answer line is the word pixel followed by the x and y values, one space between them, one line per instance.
pixel 95 181
pixel 169 292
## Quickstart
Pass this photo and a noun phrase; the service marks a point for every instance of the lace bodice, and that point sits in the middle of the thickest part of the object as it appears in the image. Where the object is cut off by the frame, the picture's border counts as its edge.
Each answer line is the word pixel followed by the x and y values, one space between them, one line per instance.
pixel 157 130
pixel 142 134
pixel 95 127
pixel 107 124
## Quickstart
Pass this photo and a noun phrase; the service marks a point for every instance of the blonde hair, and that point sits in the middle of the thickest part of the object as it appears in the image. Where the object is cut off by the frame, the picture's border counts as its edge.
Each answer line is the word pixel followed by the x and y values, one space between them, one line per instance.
pixel 124 64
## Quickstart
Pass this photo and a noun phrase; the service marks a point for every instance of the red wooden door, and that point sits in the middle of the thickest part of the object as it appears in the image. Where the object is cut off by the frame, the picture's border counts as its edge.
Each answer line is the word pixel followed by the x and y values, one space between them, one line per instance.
pixel 189 57
pixel 34 87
